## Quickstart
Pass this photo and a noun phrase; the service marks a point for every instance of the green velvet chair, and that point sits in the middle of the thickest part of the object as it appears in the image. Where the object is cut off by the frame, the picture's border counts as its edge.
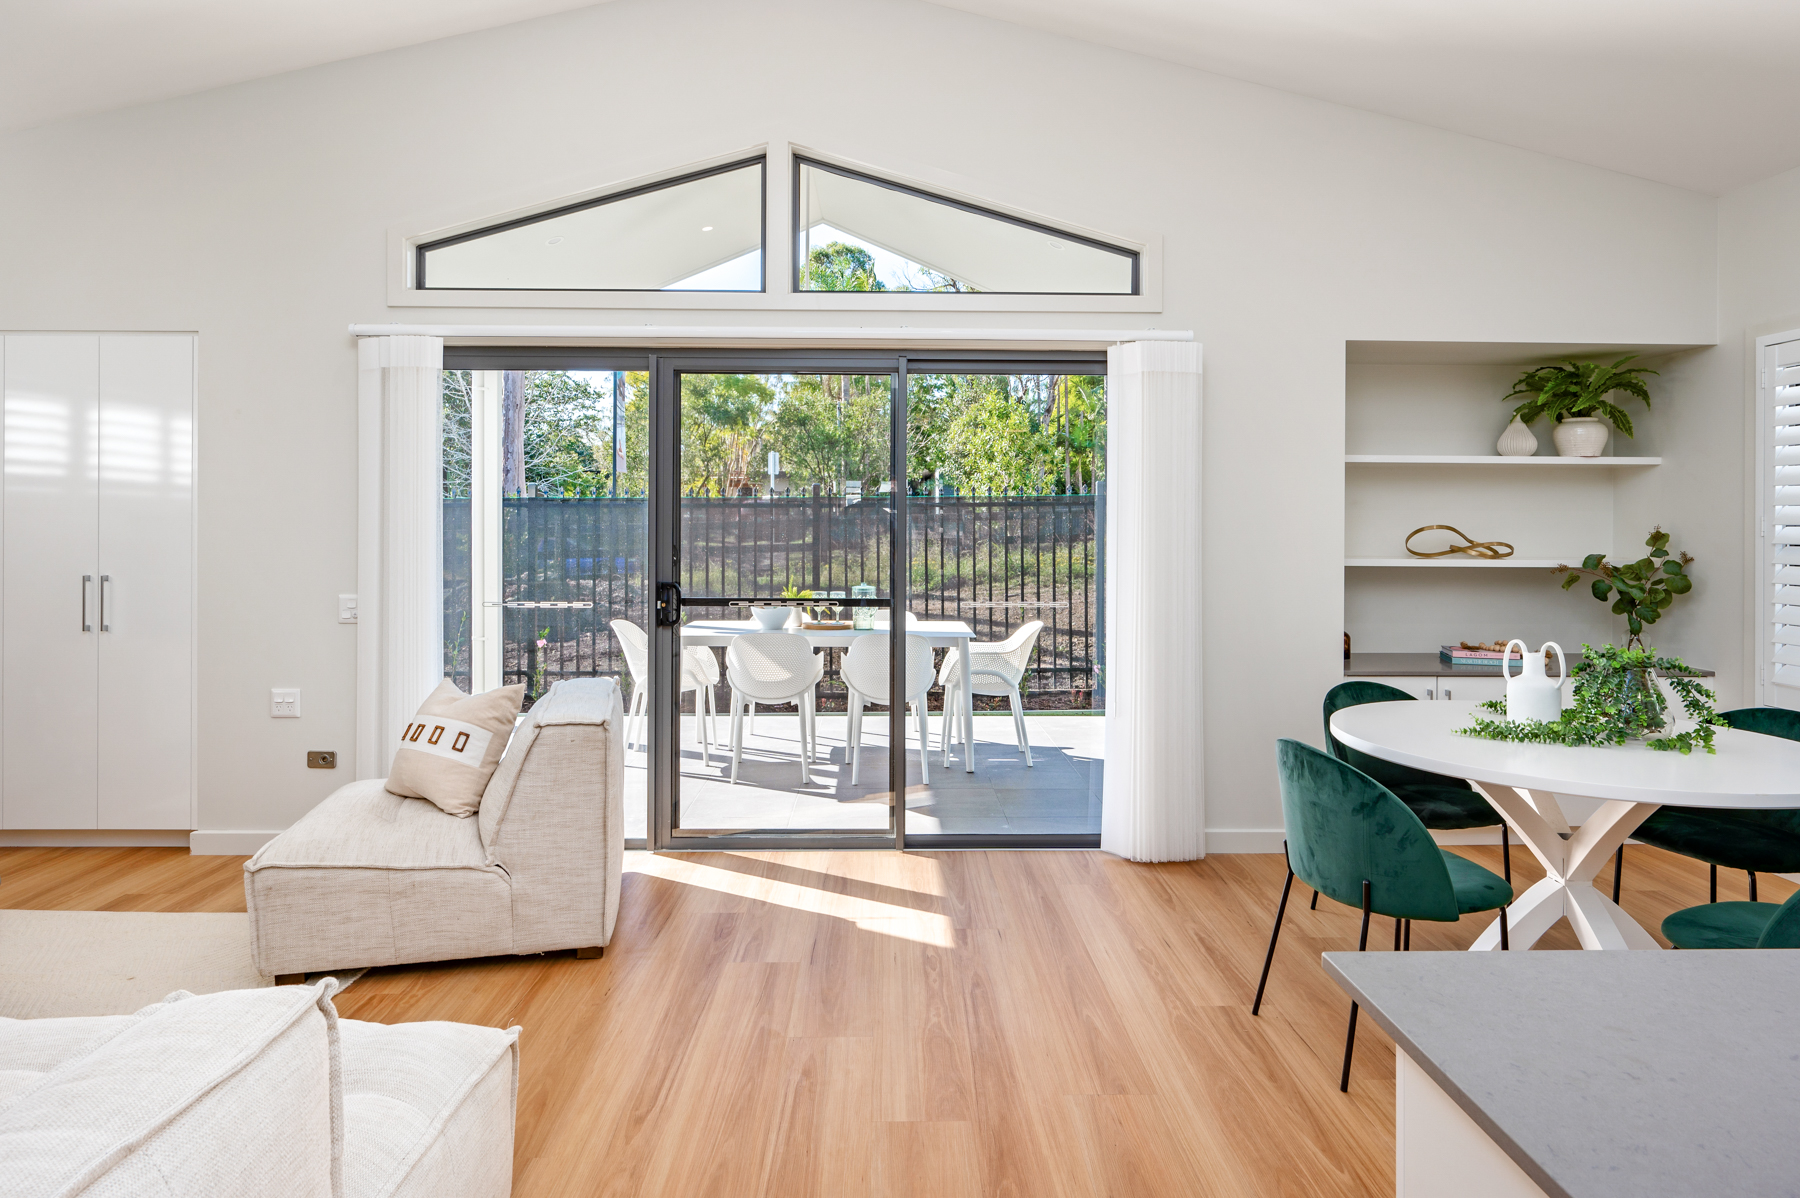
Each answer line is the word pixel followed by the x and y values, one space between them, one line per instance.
pixel 1442 803
pixel 1753 841
pixel 1349 837
pixel 1736 925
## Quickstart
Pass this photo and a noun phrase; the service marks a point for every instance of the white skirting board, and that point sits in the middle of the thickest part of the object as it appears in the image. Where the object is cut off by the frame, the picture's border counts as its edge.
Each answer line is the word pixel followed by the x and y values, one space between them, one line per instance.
pixel 93 838
pixel 228 844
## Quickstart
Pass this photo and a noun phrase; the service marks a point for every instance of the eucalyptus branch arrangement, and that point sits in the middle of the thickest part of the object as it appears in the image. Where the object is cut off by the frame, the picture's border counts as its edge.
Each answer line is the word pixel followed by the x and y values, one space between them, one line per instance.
pixel 1645 588
pixel 1581 389
pixel 1616 699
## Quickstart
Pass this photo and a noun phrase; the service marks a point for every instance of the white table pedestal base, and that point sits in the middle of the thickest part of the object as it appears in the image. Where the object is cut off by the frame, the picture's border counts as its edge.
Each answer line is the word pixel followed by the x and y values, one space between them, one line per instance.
pixel 1572 860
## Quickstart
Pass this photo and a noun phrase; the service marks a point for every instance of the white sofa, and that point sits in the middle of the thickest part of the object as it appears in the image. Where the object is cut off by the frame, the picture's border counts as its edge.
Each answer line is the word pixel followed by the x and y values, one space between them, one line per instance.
pixel 369 878
pixel 261 1093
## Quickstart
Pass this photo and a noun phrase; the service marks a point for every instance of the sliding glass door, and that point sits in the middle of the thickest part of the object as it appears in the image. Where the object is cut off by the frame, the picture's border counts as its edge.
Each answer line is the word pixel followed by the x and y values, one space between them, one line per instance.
pixel 778 560
pixel 645 517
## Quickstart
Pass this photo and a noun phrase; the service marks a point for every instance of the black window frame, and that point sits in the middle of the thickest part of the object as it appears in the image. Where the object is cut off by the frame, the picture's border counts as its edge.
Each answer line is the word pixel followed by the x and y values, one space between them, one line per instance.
pixel 799 160
pixel 760 161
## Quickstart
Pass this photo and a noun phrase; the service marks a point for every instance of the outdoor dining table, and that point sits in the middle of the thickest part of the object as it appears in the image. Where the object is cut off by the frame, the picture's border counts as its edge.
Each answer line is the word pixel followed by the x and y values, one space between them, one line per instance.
pixel 1522 781
pixel 940 634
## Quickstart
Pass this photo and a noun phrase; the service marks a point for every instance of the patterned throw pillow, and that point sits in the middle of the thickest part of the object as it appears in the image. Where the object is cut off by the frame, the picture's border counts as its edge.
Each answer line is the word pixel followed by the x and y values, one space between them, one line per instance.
pixel 449 750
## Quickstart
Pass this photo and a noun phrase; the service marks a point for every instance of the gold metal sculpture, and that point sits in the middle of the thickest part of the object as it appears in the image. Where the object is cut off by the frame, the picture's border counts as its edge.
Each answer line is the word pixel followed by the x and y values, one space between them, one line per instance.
pixel 1486 550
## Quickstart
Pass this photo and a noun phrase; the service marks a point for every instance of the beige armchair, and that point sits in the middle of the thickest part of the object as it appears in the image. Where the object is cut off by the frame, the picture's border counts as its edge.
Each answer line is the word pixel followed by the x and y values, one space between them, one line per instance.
pixel 369 878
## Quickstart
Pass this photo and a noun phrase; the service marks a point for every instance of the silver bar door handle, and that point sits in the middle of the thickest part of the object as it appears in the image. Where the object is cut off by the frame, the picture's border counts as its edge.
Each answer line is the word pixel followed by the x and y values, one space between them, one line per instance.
pixel 85 580
pixel 104 626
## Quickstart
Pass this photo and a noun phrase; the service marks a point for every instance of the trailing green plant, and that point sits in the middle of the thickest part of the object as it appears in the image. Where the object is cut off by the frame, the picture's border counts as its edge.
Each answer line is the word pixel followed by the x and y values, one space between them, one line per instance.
pixel 1644 589
pixel 1580 389
pixel 1616 699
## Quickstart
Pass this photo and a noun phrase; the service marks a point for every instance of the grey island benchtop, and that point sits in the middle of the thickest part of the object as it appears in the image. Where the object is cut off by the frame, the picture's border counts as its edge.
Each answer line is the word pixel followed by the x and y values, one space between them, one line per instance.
pixel 1608 1075
pixel 1432 665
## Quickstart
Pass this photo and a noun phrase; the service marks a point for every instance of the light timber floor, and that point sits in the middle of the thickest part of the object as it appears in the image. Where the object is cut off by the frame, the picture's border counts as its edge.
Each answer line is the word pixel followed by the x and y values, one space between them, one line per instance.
pixel 1036 1024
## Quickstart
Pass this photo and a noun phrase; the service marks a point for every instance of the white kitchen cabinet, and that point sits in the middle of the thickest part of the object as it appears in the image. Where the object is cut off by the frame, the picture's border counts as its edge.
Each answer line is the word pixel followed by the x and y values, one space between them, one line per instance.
pixel 97 581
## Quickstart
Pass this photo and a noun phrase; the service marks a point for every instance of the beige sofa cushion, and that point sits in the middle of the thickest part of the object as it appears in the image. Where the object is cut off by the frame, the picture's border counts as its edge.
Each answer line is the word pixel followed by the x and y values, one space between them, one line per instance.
pixel 428 1109
pixel 30 1048
pixel 370 878
pixel 232 1093
pixel 554 815
pixel 449 750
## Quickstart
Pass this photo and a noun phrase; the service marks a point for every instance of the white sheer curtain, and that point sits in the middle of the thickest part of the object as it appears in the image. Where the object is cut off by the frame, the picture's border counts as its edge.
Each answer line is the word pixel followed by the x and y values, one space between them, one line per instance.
pixel 400 547
pixel 1155 799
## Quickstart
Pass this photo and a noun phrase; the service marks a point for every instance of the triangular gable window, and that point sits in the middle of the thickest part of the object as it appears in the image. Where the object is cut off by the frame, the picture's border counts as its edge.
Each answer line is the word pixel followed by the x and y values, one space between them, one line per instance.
pixel 701 232
pixel 855 232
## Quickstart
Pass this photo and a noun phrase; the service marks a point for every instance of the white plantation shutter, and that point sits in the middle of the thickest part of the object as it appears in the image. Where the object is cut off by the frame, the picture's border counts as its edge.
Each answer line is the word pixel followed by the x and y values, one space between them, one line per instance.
pixel 1780 389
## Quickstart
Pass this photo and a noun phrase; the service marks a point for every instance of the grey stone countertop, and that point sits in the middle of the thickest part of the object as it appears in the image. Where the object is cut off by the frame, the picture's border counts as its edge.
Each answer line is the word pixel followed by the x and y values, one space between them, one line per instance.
pixel 1431 665
pixel 1608 1074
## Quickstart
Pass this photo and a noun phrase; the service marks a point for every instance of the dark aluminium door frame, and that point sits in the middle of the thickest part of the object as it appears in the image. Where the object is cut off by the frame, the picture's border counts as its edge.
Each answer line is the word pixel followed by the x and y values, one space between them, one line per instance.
pixel 664 369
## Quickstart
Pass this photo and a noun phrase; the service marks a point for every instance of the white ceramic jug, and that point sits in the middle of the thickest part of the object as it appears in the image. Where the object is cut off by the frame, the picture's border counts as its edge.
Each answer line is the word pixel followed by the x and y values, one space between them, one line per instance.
pixel 1532 694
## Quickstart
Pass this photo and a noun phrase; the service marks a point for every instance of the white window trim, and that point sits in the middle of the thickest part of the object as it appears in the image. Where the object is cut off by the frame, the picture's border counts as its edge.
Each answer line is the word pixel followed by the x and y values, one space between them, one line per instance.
pixel 1762 489
pixel 404 238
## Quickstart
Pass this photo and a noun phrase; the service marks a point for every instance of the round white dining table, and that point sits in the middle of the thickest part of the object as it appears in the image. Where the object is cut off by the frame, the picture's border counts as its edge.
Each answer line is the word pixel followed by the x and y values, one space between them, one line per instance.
pixel 1749 770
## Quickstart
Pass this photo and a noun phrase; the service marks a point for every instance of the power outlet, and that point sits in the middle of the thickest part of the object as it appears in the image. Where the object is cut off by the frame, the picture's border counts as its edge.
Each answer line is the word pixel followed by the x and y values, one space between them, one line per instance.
pixel 284 702
pixel 346 609
pixel 321 759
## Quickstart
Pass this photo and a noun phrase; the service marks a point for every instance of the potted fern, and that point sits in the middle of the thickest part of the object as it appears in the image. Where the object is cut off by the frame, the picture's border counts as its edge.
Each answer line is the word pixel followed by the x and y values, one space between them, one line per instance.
pixel 1575 396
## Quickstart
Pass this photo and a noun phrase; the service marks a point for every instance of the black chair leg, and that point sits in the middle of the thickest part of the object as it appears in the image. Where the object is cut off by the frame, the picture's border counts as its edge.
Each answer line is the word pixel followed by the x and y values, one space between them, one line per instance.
pixel 1362 944
pixel 1618 869
pixel 1315 902
pixel 1281 910
pixel 1505 944
pixel 1407 947
pixel 1752 874
pixel 1397 922
pixel 1506 851
pixel 1712 889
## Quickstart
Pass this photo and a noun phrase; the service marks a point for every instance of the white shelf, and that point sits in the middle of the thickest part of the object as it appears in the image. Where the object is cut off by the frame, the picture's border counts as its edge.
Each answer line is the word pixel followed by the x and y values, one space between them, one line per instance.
pixel 1439 459
pixel 1463 561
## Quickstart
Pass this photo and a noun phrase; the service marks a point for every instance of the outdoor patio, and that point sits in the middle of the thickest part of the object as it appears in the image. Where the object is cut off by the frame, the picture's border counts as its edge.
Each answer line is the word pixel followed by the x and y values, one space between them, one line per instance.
pixel 1058 795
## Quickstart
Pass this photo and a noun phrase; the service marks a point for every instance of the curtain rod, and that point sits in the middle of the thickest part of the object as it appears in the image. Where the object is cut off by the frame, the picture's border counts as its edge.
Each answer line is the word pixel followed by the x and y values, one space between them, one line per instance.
pixel 742 333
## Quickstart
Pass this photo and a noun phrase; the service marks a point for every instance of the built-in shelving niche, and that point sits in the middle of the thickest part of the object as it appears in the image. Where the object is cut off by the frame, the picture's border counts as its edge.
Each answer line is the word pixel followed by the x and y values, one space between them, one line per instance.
pixel 1421 420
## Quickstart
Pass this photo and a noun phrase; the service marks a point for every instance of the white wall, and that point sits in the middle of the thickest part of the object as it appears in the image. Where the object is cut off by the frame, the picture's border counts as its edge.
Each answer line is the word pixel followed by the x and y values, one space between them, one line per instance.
pixel 1759 293
pixel 257 215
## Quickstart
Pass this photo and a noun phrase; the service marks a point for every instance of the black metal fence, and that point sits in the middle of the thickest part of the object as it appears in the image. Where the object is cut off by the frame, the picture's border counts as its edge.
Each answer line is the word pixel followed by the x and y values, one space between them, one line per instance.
pixel 993 562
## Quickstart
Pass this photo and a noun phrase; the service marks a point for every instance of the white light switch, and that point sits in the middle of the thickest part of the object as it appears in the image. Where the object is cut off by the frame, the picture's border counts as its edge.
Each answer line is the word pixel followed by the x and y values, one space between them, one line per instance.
pixel 284 702
pixel 346 609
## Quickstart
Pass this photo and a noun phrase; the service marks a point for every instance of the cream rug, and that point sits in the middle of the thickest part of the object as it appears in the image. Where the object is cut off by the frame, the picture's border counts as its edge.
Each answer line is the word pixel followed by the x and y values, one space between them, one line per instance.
pixel 59 963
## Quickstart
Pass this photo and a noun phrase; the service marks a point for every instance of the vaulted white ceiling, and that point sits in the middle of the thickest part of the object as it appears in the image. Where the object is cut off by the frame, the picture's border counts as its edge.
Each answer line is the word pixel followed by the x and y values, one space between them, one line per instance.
pixel 63 57
pixel 1698 93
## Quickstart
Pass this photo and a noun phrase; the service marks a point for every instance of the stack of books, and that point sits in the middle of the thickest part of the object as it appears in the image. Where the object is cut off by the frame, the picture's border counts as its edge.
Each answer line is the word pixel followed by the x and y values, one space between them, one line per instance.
pixel 1457 655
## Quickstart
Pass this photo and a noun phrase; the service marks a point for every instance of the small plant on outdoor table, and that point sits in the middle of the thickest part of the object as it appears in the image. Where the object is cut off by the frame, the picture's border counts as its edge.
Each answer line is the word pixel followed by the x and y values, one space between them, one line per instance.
pixel 1645 588
pixel 1616 699
pixel 792 592
pixel 1580 389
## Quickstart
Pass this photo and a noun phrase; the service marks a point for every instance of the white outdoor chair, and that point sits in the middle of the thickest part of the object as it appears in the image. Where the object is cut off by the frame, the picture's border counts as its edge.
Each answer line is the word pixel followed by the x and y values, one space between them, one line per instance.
pixel 865 671
pixel 997 669
pixel 699 672
pixel 773 667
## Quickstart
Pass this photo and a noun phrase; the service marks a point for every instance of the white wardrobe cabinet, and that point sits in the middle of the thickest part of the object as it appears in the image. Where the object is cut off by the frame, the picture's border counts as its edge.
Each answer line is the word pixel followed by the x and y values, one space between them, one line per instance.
pixel 97 581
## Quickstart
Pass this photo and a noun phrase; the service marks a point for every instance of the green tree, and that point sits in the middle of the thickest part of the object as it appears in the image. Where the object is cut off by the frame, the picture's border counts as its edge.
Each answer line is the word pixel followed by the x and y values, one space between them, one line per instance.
pixel 836 266
pixel 997 445
pixel 723 418
pixel 832 428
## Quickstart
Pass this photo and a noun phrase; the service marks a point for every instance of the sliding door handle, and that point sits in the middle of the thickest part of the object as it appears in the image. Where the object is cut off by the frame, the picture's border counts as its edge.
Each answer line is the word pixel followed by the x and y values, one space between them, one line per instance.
pixel 104 626
pixel 85 580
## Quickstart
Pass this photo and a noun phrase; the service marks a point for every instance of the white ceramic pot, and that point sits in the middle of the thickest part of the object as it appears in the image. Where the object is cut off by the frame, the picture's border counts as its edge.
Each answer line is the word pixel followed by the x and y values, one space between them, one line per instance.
pixel 772 619
pixel 1582 436
pixel 1517 441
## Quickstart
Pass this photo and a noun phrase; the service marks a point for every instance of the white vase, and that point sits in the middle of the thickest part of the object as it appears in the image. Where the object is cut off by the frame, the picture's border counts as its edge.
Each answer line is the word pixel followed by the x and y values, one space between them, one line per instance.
pixel 1532 694
pixel 1517 441
pixel 1581 436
